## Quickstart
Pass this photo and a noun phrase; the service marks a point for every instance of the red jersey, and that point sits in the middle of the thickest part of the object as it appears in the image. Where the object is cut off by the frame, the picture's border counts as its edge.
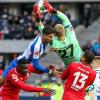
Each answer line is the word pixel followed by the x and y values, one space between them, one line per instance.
pixel 1 71
pixel 15 82
pixel 78 77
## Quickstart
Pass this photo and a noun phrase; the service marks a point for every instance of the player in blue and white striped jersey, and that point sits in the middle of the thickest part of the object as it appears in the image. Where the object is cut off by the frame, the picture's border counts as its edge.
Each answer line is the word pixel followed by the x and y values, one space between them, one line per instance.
pixel 33 51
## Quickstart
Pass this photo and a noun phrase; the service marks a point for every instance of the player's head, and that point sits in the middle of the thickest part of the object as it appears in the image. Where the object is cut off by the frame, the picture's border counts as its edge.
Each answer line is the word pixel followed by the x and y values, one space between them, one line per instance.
pixel 22 66
pixel 87 57
pixel 60 30
pixel 48 33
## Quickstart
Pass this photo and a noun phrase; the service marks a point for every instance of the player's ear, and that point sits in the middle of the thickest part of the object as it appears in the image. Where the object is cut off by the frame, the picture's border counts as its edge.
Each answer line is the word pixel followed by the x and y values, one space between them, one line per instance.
pixel 83 59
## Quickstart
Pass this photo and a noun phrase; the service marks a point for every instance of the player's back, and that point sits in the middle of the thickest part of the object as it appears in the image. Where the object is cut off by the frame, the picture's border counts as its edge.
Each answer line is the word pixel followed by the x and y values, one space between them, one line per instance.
pixel 9 89
pixel 79 78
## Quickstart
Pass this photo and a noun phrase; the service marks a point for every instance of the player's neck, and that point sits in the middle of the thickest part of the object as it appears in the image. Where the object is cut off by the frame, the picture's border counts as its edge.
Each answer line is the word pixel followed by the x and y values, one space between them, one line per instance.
pixel 86 64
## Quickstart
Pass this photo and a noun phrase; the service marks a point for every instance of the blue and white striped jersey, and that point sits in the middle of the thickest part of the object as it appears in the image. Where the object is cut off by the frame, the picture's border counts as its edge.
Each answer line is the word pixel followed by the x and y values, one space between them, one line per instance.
pixel 34 50
pixel 32 54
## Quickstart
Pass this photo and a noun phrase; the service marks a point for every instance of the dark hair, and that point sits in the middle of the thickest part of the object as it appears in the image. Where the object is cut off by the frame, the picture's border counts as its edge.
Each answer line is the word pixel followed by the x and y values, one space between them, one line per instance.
pixel 22 61
pixel 48 30
pixel 89 56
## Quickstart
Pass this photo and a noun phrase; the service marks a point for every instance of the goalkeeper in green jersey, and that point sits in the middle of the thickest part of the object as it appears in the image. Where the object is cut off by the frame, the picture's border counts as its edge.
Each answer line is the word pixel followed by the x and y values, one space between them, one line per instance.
pixel 65 42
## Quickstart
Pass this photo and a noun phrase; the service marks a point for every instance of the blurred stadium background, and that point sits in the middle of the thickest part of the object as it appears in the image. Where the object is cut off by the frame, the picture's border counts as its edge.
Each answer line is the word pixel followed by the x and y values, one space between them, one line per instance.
pixel 18 28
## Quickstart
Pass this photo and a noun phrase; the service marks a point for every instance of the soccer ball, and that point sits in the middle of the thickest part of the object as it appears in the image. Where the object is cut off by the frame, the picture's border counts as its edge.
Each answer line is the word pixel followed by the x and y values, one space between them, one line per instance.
pixel 42 9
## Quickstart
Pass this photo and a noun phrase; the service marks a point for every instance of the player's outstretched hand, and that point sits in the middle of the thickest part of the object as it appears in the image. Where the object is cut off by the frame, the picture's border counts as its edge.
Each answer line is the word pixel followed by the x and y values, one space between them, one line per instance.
pixel 51 69
pixel 57 73
pixel 54 72
pixel 36 11
pixel 48 6
pixel 49 91
pixel 2 80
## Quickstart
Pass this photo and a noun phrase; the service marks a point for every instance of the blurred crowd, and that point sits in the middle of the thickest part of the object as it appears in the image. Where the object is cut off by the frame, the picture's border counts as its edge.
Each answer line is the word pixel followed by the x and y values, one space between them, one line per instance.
pixel 17 27
pixel 23 25
pixel 94 46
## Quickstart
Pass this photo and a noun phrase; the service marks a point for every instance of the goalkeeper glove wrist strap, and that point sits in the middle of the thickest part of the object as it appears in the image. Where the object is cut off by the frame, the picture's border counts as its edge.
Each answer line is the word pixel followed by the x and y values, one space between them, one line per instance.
pixel 54 11
pixel 38 19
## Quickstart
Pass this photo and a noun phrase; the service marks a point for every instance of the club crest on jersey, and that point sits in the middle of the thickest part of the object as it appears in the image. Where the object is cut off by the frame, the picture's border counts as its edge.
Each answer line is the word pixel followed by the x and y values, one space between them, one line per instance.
pixel 36 53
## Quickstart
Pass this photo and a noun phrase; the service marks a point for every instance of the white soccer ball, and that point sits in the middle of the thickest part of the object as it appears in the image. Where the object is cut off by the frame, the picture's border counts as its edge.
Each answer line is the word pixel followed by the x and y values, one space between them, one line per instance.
pixel 40 6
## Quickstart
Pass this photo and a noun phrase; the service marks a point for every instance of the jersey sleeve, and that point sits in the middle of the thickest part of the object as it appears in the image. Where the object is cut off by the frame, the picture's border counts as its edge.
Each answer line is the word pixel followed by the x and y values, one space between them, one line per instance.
pixel 64 19
pixel 31 69
pixel 92 78
pixel 41 28
pixel 66 72
pixel 39 67
pixel 68 26
pixel 16 81
pixel 13 64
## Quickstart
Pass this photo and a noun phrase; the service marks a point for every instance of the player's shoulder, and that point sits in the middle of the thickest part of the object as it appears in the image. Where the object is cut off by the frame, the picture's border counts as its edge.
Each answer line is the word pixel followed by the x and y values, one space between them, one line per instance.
pixel 75 63
pixel 92 71
pixel 36 38
pixel 12 71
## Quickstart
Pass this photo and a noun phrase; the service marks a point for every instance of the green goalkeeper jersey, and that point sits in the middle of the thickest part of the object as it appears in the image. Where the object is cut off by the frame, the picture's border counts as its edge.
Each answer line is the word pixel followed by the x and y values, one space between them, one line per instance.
pixel 69 49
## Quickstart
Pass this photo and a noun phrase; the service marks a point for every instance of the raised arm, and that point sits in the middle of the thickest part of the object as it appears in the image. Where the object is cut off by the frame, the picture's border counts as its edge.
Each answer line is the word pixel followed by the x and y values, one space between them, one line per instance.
pixel 40 26
pixel 38 18
pixel 62 16
pixel 64 19
pixel 39 67
pixel 35 61
pixel 66 24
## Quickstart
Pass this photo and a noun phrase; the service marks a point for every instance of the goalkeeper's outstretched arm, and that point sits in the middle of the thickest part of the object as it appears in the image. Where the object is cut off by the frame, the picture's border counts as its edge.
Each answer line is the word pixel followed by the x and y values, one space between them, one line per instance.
pixel 62 16
pixel 38 17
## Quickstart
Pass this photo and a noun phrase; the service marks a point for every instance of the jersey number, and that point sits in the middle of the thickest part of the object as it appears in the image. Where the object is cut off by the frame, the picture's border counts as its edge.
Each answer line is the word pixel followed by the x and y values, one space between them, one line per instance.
pixel 81 80
pixel 65 54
